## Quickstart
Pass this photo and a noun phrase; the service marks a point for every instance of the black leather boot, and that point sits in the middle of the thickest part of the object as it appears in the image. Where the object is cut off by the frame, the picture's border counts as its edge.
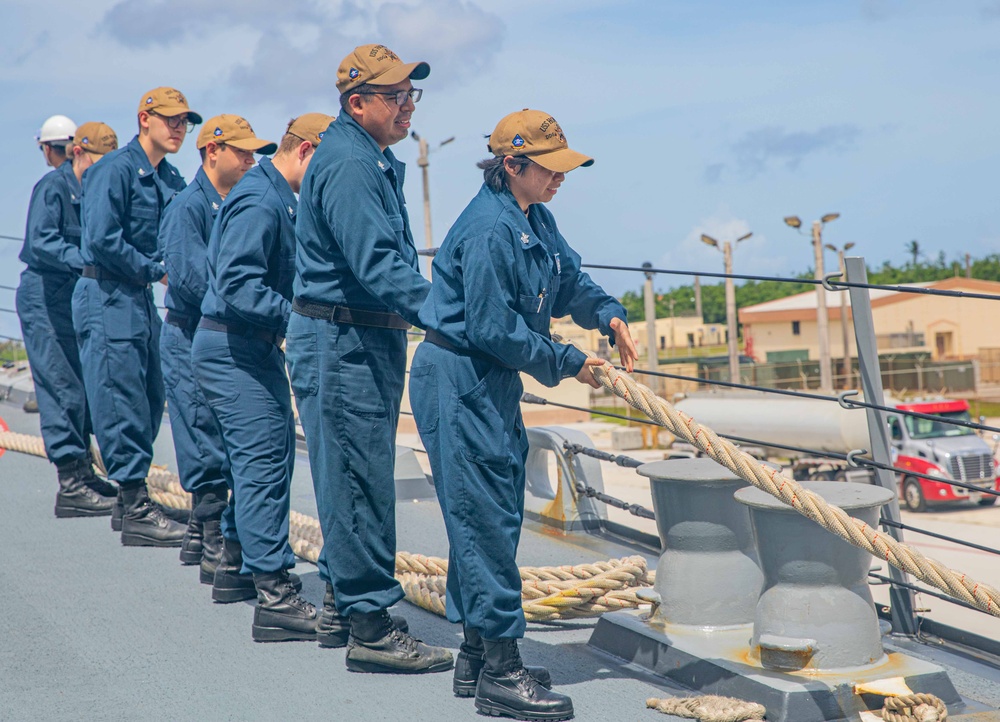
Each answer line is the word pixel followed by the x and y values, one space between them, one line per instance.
pixel 144 524
pixel 211 550
pixel 192 544
pixel 229 585
pixel 281 614
pixel 506 689
pixel 91 479
pixel 75 497
pixel 117 511
pixel 471 659
pixel 333 628
pixel 376 645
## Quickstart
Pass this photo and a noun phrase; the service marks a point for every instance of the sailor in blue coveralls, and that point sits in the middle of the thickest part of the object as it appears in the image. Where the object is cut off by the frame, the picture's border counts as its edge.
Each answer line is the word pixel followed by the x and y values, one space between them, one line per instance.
pixel 227 145
pixel 240 367
pixel 44 306
pixel 357 289
pixel 116 321
pixel 502 273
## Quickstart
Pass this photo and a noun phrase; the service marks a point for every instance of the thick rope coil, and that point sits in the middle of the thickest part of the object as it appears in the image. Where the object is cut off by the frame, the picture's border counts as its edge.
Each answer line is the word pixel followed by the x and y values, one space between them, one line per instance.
pixel 709 708
pixel 914 708
pixel 807 503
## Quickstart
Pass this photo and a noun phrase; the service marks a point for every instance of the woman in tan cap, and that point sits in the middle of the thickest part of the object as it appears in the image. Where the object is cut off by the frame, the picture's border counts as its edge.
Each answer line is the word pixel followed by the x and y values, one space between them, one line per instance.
pixel 502 272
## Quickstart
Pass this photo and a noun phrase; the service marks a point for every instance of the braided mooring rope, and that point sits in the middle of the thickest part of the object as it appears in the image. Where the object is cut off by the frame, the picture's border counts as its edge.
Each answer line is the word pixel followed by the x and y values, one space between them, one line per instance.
pixel 914 708
pixel 807 503
pixel 709 708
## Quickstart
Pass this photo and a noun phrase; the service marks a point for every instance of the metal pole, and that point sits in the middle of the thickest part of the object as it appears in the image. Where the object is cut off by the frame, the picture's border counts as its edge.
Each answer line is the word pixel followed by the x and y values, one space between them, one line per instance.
pixel 904 620
pixel 697 299
pixel 822 319
pixel 848 372
pixel 423 161
pixel 649 301
pixel 731 330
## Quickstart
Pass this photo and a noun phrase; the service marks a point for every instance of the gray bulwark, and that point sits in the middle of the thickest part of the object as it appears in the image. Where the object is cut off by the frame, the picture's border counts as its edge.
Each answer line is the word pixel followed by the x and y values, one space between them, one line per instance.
pixel 707 575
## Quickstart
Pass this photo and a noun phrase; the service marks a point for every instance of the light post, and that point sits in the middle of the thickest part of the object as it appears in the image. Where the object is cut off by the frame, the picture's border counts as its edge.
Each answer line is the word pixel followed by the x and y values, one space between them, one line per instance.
pixel 423 162
pixel 727 254
pixel 649 311
pixel 822 319
pixel 846 338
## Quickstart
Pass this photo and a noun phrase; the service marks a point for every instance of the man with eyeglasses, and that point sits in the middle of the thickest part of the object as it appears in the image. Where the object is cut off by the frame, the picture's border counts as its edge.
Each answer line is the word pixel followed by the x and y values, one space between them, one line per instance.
pixel 227 144
pixel 357 290
pixel 239 364
pixel 115 317
pixel 51 254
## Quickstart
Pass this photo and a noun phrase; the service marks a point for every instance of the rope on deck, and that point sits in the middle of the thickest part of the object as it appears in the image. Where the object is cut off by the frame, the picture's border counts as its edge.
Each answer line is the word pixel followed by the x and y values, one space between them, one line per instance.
pixel 710 708
pixel 549 593
pixel 914 708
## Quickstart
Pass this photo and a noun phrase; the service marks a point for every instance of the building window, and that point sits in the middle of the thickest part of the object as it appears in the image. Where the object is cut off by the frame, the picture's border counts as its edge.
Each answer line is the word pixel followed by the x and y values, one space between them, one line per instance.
pixel 796 330
pixel 663 343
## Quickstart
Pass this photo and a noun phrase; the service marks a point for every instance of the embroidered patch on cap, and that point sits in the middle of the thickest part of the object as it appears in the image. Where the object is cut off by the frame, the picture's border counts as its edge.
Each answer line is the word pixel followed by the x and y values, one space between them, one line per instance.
pixel 354 73
pixel 85 141
pixel 517 142
pixel 149 100
pixel 217 131
pixel 320 136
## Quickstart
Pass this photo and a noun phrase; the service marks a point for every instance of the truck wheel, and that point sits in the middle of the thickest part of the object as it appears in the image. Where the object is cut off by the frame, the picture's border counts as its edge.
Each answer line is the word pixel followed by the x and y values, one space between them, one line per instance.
pixel 988 500
pixel 913 495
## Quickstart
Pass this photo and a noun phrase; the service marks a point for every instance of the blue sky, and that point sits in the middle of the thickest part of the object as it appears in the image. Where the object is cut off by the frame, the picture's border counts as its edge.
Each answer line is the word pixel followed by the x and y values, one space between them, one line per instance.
pixel 716 116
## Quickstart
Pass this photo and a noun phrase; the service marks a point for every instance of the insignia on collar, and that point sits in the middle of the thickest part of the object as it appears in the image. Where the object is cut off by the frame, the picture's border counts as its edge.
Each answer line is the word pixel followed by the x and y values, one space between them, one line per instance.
pixel 142 171
pixel 525 238
pixel 291 211
pixel 215 206
pixel 381 165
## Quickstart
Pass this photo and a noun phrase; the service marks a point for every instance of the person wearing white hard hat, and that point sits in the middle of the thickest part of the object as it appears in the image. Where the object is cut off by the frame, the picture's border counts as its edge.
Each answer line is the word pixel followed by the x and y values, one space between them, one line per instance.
pixel 51 253
pixel 55 135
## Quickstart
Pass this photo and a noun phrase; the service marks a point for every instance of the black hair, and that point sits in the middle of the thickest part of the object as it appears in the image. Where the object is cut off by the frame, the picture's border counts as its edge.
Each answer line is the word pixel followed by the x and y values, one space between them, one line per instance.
pixel 495 174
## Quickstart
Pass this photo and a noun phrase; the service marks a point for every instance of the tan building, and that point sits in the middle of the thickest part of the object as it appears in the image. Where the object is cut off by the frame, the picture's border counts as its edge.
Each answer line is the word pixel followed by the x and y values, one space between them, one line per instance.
pixel 677 336
pixel 946 327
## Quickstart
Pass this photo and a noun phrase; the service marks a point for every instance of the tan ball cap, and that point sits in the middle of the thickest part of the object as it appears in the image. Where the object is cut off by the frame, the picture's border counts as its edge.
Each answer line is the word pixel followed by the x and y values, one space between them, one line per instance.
pixel 96 137
pixel 235 131
pixel 536 135
pixel 376 65
pixel 168 102
pixel 310 126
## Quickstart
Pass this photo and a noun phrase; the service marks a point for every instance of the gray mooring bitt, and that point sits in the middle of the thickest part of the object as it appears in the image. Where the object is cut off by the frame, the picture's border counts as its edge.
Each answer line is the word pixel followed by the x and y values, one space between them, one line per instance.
pixel 707 574
pixel 815 610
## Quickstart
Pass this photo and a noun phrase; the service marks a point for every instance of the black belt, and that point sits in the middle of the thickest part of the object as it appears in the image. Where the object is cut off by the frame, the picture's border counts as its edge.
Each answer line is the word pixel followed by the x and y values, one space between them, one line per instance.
pixel 438 340
pixel 353 316
pixel 185 323
pixel 239 329
pixel 101 274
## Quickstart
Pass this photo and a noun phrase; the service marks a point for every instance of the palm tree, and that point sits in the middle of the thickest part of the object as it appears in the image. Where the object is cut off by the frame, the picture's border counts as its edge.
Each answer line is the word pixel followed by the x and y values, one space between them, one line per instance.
pixel 913 248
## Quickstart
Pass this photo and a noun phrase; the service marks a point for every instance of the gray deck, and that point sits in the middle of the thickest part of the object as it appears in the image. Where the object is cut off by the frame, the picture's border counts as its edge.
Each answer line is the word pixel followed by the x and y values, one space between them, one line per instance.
pixel 92 630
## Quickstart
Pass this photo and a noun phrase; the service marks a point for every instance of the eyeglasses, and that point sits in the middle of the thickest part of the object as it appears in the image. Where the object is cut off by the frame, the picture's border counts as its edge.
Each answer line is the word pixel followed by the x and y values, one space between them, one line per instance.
pixel 400 96
pixel 176 122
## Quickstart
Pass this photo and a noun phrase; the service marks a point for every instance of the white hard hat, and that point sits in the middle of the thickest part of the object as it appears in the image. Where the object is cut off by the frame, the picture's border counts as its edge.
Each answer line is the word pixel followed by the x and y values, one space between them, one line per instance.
pixel 58 130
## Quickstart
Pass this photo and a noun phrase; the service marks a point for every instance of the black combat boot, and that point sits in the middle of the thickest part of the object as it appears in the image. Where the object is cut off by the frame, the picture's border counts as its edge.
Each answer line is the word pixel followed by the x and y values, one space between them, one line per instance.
pixel 281 614
pixel 91 479
pixel 117 511
pixel 470 660
pixel 192 544
pixel 75 497
pixel 229 585
pixel 333 628
pixel 376 645
pixel 144 523
pixel 211 550
pixel 506 689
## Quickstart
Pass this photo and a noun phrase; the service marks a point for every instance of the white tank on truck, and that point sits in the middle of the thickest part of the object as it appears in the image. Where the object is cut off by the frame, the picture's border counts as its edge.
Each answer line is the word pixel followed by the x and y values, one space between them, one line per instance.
pixel 919 446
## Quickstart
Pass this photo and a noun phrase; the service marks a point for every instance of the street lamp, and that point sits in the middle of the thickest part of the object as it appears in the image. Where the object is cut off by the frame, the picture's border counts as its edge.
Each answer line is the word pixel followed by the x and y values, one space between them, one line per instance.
pixel 822 319
pixel 649 311
pixel 423 162
pixel 843 312
pixel 727 254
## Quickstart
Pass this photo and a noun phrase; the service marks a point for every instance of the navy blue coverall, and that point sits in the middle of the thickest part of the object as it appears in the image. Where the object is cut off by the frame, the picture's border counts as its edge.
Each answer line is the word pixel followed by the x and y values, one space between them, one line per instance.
pixel 184 233
pixel 239 364
pixel 44 306
pixel 354 249
pixel 499 277
pixel 115 317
